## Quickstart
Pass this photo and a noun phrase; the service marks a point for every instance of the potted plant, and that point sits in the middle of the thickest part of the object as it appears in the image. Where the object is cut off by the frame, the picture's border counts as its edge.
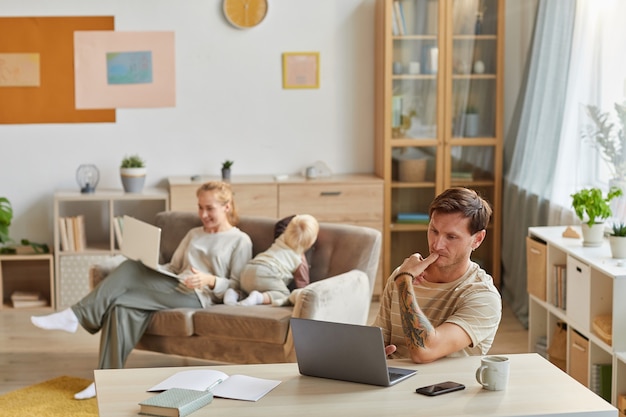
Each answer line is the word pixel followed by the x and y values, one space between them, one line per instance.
pixel 226 169
pixel 592 208
pixel 6 215
pixel 133 173
pixel 617 240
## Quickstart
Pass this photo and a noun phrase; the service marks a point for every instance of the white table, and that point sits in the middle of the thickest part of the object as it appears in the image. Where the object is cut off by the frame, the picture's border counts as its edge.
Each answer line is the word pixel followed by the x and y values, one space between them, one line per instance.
pixel 536 387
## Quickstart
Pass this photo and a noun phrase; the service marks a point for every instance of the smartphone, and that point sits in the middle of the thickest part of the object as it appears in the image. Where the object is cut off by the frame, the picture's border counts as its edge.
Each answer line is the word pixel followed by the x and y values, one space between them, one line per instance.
pixel 440 388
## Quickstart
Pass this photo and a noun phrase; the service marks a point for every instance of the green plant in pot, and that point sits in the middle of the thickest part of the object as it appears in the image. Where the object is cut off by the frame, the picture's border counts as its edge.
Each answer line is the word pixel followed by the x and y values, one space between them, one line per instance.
pixel 592 208
pixel 133 173
pixel 226 169
pixel 617 240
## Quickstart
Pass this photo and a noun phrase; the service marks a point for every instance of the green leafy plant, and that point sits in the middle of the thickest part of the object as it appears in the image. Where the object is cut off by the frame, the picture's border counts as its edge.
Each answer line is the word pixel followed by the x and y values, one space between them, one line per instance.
pixel 590 202
pixel 609 139
pixel 227 164
pixel 6 215
pixel 133 161
pixel 619 229
pixel 6 243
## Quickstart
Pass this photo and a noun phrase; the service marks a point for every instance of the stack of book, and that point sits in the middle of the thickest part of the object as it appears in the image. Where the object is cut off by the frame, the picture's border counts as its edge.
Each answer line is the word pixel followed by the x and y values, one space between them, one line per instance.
pixel 600 381
pixel 420 218
pixel 118 226
pixel 559 286
pixel 72 232
pixel 25 299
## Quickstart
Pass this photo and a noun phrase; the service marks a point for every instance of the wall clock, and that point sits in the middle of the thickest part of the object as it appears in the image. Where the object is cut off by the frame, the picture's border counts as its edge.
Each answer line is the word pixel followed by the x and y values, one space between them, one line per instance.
pixel 245 14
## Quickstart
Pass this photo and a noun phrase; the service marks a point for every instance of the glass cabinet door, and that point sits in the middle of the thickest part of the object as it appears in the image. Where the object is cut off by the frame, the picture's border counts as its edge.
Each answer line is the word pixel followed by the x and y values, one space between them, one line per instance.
pixel 416 76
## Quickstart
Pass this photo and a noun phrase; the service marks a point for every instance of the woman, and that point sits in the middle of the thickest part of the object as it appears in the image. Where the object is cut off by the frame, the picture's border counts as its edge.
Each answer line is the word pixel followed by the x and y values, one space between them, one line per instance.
pixel 121 305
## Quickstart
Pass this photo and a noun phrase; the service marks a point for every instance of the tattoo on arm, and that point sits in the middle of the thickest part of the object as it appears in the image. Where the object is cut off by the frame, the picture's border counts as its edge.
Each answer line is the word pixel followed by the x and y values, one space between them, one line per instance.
pixel 416 325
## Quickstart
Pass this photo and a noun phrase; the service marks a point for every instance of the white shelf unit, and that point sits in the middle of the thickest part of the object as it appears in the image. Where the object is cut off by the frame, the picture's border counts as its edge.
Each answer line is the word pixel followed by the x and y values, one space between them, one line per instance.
pixel 595 285
pixel 99 210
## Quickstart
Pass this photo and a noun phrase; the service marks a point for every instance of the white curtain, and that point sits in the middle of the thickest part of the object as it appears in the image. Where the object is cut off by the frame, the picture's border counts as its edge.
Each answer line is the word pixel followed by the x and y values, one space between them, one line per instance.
pixel 577 58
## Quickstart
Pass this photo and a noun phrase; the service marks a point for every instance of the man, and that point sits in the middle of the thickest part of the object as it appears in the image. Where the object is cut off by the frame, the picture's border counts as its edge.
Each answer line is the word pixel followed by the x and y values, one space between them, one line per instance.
pixel 444 304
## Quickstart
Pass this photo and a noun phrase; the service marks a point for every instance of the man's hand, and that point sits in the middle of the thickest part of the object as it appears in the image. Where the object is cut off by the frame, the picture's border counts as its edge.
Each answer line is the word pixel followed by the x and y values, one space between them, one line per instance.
pixel 390 349
pixel 416 265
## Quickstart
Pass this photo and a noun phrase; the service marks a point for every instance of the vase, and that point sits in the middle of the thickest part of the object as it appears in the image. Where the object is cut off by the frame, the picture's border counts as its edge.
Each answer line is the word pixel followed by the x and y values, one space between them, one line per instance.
pixel 133 179
pixel 472 121
pixel 594 235
pixel 618 246
pixel 225 174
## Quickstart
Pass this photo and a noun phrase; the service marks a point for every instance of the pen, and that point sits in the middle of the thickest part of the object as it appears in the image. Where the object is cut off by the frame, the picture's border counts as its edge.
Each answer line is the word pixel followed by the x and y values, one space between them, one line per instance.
pixel 215 384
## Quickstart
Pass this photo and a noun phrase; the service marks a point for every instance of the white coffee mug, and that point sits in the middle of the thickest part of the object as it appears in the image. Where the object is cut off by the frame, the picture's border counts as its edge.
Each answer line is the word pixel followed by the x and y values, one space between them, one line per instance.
pixel 493 373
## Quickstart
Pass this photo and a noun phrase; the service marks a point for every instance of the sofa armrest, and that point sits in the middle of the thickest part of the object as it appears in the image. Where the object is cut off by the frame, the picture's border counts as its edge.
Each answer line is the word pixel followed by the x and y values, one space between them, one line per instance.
pixel 101 270
pixel 343 298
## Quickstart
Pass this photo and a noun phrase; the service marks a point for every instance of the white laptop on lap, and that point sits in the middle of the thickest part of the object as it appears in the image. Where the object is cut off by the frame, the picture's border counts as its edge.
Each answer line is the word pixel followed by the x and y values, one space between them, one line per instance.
pixel 346 352
pixel 141 242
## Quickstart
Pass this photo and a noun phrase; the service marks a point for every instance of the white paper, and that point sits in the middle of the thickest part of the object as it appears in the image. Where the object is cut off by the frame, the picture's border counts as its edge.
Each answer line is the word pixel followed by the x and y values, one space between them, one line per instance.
pixel 236 387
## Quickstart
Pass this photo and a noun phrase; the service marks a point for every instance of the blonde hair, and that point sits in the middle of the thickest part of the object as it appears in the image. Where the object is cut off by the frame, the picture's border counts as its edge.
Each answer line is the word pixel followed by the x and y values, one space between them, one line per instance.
pixel 224 194
pixel 301 232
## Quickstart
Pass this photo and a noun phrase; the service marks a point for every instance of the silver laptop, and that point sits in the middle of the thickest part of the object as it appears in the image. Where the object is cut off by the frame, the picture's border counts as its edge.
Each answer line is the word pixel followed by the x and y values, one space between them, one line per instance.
pixel 347 352
pixel 141 242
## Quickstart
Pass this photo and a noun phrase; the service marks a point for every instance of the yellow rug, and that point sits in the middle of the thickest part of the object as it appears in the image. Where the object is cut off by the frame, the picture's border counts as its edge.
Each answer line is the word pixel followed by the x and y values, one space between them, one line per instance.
pixel 53 398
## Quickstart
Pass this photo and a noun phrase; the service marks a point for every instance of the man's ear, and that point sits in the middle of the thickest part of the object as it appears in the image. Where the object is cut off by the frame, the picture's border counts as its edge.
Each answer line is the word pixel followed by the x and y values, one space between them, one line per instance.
pixel 478 238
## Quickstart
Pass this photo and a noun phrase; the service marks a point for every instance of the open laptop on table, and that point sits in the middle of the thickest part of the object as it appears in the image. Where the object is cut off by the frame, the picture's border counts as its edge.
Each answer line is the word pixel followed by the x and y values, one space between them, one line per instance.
pixel 346 352
pixel 141 242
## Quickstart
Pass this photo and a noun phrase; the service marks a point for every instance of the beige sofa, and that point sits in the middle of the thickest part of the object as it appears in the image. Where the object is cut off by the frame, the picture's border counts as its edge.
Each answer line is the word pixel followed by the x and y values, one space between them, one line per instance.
pixel 343 265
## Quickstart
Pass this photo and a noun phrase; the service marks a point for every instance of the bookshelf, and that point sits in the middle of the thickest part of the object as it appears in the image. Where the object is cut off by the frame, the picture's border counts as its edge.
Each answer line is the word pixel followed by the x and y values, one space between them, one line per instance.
pixel 96 214
pixel 438 115
pixel 595 287
pixel 27 273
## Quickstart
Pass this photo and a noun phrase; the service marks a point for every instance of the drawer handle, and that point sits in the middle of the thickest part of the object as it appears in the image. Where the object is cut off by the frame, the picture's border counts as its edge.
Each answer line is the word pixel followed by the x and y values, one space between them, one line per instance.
pixel 579 269
pixel 330 193
pixel 534 251
pixel 579 347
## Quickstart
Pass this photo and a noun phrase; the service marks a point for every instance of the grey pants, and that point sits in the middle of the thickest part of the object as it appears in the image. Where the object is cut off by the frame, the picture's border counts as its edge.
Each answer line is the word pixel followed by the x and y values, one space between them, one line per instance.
pixel 263 279
pixel 121 307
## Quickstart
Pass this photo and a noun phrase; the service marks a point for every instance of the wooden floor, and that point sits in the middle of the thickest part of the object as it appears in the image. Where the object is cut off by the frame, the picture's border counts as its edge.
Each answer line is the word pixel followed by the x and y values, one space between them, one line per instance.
pixel 29 355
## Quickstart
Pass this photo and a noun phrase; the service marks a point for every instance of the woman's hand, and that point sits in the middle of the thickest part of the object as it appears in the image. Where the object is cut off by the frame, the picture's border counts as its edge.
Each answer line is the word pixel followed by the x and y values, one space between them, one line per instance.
pixel 199 279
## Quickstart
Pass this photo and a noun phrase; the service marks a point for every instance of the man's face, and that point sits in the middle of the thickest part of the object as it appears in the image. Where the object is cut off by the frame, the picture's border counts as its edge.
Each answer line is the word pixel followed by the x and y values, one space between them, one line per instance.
pixel 449 237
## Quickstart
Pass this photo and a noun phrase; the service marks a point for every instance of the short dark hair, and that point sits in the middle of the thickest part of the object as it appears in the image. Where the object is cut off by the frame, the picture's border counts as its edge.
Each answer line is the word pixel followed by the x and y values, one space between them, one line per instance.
pixel 465 201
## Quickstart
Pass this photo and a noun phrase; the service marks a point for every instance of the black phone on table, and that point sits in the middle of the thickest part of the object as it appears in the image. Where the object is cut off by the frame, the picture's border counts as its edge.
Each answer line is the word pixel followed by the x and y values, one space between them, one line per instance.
pixel 440 388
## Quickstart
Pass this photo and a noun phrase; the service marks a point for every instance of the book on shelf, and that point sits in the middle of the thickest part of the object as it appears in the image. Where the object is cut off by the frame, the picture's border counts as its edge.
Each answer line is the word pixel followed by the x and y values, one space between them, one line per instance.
pixel 420 218
pixel 175 402
pixel 398 17
pixel 118 223
pixel 235 387
pixel 26 299
pixel 462 175
pixel 559 286
pixel 72 233
pixel 600 380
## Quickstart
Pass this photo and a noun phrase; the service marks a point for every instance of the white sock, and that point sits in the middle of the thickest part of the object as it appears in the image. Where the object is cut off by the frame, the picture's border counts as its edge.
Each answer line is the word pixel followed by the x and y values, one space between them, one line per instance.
pixel 253 299
pixel 87 393
pixel 64 320
pixel 231 297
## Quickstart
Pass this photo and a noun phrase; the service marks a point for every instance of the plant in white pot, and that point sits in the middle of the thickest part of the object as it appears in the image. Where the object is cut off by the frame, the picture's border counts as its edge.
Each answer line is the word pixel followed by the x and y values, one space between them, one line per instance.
pixel 617 241
pixel 133 173
pixel 592 208
pixel 226 165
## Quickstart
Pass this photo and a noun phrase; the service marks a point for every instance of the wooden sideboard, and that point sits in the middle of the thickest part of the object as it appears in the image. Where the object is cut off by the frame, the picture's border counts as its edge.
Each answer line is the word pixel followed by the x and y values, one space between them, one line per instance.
pixel 353 199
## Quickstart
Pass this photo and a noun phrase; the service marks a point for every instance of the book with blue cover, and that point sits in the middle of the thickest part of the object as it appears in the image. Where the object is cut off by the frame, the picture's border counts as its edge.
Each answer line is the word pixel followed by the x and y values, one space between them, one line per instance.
pixel 175 402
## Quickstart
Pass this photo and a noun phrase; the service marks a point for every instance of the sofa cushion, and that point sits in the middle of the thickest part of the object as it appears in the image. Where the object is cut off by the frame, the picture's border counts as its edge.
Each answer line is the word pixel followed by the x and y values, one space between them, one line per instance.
pixel 264 323
pixel 174 322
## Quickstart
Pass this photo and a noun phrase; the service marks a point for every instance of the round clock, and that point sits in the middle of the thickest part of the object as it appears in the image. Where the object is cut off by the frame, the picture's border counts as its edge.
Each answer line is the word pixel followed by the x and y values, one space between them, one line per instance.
pixel 245 14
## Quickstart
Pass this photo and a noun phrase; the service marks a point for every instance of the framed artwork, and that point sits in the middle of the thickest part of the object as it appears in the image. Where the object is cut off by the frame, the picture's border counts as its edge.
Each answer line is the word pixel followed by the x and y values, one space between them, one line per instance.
pixel 301 70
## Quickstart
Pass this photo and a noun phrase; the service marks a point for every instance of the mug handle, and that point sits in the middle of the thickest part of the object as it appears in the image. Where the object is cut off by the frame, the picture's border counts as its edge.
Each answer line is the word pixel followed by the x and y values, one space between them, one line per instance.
pixel 479 375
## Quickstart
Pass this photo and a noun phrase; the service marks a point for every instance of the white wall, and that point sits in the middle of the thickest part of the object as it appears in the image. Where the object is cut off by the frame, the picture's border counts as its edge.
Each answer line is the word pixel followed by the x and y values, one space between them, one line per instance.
pixel 230 102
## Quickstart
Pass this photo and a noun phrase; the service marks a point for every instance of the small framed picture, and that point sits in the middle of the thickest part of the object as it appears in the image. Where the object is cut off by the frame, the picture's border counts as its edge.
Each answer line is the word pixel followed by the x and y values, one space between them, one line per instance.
pixel 301 70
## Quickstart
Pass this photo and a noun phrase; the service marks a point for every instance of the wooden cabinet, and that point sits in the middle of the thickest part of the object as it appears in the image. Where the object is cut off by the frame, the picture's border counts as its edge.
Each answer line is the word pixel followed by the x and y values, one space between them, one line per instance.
pixel 353 199
pixel 438 115
pixel 594 285
pixel 31 273
pixel 98 211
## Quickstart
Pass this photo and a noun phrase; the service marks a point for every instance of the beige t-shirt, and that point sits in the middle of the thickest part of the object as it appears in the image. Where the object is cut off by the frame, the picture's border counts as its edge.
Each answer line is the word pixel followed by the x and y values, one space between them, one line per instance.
pixel 472 302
